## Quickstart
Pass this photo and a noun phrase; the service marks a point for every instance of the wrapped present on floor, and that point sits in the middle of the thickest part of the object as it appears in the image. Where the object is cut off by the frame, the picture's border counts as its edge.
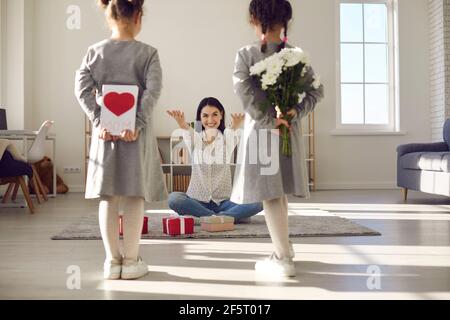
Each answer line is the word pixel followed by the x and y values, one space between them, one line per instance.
pixel 217 223
pixel 144 226
pixel 176 225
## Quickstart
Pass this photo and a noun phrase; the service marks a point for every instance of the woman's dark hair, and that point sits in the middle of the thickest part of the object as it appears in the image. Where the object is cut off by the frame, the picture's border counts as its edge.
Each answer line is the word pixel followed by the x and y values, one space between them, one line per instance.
pixel 271 13
pixel 212 102
pixel 122 9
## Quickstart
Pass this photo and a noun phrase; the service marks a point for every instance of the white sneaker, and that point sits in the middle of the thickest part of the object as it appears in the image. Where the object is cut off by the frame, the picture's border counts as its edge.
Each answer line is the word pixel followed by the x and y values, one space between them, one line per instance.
pixel 111 270
pixel 291 250
pixel 134 270
pixel 276 267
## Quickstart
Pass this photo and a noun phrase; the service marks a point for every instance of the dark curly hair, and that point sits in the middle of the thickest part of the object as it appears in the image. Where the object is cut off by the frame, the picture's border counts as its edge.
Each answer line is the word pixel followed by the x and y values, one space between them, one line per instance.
pixel 270 13
pixel 122 9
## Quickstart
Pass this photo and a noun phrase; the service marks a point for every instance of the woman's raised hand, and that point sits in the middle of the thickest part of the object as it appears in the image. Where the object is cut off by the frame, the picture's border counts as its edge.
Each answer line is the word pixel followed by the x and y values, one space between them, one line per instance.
pixel 178 115
pixel 236 120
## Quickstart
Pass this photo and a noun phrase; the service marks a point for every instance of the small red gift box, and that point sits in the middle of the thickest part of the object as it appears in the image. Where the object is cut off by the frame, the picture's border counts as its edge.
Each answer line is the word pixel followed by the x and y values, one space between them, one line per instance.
pixel 144 226
pixel 175 226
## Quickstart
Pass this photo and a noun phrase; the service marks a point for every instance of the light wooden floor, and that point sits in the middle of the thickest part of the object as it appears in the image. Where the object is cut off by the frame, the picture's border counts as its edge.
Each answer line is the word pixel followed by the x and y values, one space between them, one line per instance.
pixel 412 256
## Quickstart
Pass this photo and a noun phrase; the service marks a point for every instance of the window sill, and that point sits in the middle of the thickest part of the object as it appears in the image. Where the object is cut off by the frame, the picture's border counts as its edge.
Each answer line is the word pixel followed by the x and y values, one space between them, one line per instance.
pixel 366 133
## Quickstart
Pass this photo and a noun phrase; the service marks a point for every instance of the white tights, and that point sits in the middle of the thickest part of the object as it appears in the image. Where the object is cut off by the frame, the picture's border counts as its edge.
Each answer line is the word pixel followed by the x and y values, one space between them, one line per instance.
pixel 276 214
pixel 132 226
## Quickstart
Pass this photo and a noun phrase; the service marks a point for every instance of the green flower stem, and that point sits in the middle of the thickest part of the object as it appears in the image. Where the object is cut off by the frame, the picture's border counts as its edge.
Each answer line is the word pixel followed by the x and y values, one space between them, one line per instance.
pixel 286 149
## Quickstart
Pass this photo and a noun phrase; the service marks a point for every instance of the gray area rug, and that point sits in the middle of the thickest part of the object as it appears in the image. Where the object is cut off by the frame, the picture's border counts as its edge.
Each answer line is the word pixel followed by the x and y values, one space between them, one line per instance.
pixel 310 223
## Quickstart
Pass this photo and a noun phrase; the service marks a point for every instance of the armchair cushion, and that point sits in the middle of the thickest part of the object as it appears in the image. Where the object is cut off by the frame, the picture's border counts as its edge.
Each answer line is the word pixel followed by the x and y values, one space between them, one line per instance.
pixel 422 147
pixel 432 161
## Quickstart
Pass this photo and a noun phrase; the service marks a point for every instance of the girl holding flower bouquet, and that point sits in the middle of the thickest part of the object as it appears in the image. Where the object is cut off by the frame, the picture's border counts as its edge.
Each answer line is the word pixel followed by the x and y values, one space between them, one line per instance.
pixel 277 87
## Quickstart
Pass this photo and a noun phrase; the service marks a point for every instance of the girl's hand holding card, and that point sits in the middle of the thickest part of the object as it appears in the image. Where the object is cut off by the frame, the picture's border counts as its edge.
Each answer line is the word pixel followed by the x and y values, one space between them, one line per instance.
pixel 105 135
pixel 129 136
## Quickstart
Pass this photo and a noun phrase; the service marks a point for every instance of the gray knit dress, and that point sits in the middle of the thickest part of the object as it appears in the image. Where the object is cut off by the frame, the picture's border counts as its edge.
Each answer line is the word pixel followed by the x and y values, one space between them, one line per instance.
pixel 121 168
pixel 261 175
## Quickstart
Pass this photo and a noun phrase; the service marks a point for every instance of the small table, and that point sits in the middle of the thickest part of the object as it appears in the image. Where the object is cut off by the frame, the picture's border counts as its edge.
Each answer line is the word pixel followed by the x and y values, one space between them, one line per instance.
pixel 29 135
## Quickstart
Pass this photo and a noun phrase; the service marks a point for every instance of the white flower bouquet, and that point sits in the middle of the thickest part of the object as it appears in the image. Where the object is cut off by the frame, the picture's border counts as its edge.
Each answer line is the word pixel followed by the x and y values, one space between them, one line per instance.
pixel 283 77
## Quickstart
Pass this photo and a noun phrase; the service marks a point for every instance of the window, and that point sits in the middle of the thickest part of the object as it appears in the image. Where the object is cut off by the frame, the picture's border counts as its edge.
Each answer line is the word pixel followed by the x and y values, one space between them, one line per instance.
pixel 367 98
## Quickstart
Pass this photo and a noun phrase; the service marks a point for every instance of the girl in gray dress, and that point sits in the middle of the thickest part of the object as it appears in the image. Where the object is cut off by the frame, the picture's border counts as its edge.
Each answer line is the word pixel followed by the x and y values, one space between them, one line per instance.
pixel 253 181
pixel 123 170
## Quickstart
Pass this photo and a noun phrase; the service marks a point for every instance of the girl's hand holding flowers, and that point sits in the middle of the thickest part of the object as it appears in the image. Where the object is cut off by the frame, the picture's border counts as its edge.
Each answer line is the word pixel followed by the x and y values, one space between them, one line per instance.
pixel 282 122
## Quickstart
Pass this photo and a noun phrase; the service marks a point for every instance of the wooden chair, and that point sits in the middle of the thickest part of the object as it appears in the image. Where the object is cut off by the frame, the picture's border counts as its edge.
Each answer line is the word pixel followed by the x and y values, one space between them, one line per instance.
pixel 12 173
pixel 37 186
pixel 14 183
pixel 35 154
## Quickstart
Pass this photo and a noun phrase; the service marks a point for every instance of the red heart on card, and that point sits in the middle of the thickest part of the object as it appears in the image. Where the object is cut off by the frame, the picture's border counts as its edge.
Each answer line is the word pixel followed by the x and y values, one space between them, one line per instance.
pixel 118 103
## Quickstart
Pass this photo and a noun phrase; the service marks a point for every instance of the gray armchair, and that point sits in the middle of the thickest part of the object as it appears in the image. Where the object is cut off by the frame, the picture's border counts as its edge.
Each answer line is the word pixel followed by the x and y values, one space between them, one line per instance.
pixel 425 166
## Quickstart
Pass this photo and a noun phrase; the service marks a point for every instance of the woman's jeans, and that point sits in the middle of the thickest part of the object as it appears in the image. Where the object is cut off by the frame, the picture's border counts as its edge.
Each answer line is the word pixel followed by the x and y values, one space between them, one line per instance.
pixel 184 205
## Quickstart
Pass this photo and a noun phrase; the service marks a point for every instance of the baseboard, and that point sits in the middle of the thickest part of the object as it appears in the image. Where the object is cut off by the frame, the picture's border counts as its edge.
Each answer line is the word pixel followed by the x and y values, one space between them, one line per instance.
pixel 356 185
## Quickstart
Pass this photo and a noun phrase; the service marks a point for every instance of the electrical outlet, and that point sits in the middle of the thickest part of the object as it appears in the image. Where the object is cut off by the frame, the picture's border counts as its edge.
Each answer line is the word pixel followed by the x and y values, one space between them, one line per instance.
pixel 72 170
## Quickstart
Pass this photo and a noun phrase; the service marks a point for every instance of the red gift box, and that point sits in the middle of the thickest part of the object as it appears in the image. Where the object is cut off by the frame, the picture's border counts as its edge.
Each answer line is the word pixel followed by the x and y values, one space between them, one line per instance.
pixel 144 226
pixel 175 226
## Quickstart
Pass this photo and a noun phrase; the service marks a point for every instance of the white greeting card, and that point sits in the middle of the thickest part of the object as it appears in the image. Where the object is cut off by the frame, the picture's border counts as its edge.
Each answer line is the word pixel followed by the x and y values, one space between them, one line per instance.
pixel 119 108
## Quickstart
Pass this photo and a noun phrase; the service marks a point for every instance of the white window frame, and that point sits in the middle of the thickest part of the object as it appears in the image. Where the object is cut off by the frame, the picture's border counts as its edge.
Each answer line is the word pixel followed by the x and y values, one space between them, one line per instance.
pixel 393 72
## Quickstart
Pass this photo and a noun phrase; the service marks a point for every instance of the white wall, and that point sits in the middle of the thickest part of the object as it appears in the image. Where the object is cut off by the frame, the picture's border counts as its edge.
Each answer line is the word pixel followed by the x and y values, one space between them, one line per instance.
pixel 2 55
pixel 13 94
pixel 28 84
pixel 439 35
pixel 197 41
pixel 17 65
pixel 57 54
